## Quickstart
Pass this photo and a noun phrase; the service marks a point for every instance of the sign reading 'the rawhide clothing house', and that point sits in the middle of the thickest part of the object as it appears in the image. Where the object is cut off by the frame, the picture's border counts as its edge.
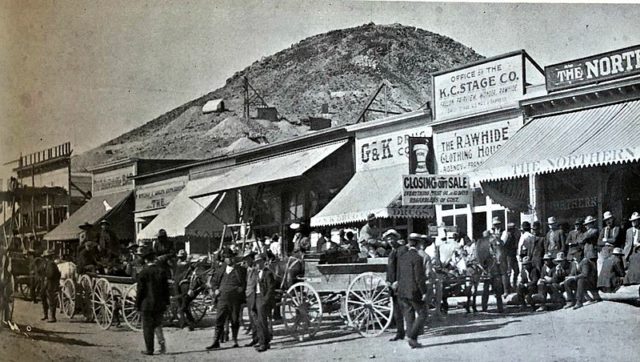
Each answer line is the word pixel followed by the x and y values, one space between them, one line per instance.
pixel 597 68
pixel 436 190
pixel 481 87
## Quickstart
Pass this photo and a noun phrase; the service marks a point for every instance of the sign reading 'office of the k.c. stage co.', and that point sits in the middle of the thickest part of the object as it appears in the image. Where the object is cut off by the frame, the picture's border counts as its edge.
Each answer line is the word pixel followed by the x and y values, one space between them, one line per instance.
pixel 593 69
pixel 480 87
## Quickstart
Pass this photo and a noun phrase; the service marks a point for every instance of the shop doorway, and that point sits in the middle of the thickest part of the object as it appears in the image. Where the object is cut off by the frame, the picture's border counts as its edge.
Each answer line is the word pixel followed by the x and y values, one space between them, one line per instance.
pixel 479 224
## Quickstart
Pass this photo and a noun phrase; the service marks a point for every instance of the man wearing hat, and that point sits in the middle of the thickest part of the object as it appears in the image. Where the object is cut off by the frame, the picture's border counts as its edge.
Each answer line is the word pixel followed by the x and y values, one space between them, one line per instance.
pixel 590 236
pixel 609 238
pixel 108 241
pixel 560 273
pixel 87 258
pixel 264 302
pixel 369 231
pixel 229 285
pixel 84 235
pixel 611 276
pixel 526 242
pixel 546 279
pixel 36 271
pixel 250 294
pixel 537 251
pixel 510 238
pixel 583 278
pixel 397 250
pixel 632 240
pixel 529 277
pixel 132 259
pixel 50 287
pixel 412 291
pixel 152 300
pixel 574 238
pixel 555 239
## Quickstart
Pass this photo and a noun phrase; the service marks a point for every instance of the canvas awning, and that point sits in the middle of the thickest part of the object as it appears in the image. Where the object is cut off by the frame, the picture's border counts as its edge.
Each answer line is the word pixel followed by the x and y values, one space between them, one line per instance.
pixel 372 191
pixel 282 167
pixel 584 138
pixel 181 211
pixel 95 210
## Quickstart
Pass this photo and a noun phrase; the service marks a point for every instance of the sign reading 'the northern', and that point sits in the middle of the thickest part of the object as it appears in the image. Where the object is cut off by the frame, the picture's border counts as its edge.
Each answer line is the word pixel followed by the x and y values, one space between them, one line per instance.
pixel 435 190
pixel 480 87
pixel 597 68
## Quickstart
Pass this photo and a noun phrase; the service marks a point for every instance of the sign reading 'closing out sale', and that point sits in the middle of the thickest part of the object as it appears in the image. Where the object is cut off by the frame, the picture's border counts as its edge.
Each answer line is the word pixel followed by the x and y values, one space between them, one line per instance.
pixel 480 87
pixel 435 190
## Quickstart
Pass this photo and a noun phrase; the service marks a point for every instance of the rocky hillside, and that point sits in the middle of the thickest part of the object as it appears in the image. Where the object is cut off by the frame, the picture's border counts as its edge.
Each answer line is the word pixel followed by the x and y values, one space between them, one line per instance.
pixel 341 68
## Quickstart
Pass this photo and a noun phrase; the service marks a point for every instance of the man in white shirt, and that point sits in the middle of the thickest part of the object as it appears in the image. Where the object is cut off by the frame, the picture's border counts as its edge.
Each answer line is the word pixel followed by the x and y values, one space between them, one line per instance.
pixel 526 242
pixel 275 246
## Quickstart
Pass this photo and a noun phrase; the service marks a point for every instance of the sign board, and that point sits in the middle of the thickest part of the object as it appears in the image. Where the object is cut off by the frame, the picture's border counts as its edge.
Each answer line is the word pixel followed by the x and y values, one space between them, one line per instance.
pixel 113 181
pixel 465 149
pixel 421 156
pixel 593 69
pixel 158 195
pixel 478 88
pixel 436 190
pixel 388 148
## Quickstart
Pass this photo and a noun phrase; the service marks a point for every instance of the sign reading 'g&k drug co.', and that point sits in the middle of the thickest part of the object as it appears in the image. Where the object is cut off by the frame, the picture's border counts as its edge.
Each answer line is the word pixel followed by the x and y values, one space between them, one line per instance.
pixel 597 68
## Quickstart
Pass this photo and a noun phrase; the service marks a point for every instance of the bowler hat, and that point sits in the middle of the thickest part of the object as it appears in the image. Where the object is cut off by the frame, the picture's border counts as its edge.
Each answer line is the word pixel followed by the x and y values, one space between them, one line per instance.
pixel 371 217
pixel 547 256
pixel 552 220
pixel 526 225
pixel 414 236
pixel 607 215
pixel 634 216
pixel 617 251
pixel 391 233
pixel 589 219
pixel 496 221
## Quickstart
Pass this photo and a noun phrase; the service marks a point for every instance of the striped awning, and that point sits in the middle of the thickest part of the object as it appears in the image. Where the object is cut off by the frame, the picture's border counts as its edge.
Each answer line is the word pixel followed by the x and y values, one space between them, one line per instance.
pixel 584 138
pixel 376 192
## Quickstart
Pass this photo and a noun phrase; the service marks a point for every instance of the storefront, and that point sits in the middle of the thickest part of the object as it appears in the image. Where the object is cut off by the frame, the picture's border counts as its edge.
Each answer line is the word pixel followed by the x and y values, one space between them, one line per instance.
pixel 476 112
pixel 578 153
pixel 381 158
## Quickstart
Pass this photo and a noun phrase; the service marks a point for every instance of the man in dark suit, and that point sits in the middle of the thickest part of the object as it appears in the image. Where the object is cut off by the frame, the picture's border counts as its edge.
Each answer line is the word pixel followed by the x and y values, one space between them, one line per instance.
pixel 573 240
pixel 589 239
pixel 229 285
pixel 555 239
pixel 632 239
pixel 397 249
pixel 50 287
pixel 250 295
pixel 411 291
pixel 583 278
pixel 265 299
pixel 611 276
pixel 528 281
pixel 152 301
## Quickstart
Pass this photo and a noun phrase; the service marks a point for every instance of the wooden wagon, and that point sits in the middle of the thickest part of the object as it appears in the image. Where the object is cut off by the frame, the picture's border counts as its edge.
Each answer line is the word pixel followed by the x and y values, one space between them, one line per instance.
pixel 357 290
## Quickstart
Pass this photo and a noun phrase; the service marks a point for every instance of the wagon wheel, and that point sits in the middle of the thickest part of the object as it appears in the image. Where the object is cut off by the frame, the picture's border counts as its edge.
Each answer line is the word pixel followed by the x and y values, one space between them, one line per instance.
pixel 200 305
pixel 67 298
pixel 102 301
pixel 301 311
pixel 369 305
pixel 83 297
pixel 130 314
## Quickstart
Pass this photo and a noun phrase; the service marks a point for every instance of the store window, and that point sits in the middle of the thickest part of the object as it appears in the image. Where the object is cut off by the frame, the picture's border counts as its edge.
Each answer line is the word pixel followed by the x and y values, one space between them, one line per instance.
pixel 448 220
pixel 294 206
pixel 461 223
pixel 514 217
pixel 447 207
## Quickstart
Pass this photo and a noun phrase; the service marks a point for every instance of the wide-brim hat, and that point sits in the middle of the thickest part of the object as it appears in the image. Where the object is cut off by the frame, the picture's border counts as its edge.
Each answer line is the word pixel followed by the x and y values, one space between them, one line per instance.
pixel 47 252
pixel 635 216
pixel 617 251
pixel 552 220
pixel 547 256
pixel 496 221
pixel 105 221
pixel 132 245
pixel 607 215
pixel 391 233
pixel 579 221
pixel 85 226
pixel 371 217
pixel 588 220
pixel 560 257
pixel 414 236
pixel 294 226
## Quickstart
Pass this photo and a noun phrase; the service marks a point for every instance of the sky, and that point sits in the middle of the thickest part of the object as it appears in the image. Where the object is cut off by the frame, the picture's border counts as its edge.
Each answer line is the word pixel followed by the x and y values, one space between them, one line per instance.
pixel 88 71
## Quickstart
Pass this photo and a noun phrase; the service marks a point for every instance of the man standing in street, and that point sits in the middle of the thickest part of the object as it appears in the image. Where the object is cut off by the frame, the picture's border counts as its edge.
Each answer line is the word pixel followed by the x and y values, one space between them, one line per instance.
pixel 608 239
pixel 229 285
pixel 536 253
pixel 397 250
pixel 250 295
pixel 555 240
pixel 265 299
pixel 411 292
pixel 590 236
pixel 50 287
pixel 152 301
pixel 632 239
pixel 510 238
pixel 573 241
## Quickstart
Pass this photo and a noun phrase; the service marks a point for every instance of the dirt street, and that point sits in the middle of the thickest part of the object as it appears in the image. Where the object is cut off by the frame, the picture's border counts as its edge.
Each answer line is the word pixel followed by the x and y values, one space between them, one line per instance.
pixel 597 332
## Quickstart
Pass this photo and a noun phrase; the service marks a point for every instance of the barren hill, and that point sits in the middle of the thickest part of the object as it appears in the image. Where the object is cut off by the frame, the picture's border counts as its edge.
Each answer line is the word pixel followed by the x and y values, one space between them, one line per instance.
pixel 341 68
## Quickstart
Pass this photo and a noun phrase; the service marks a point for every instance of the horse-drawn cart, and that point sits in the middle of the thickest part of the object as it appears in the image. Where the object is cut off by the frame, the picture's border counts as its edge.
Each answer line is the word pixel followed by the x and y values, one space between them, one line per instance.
pixel 357 290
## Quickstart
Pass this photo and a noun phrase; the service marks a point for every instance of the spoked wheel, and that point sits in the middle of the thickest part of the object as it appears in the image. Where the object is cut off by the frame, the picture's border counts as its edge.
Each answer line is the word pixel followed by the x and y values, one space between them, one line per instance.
pixel 369 305
pixel 103 303
pixel 129 312
pixel 67 298
pixel 84 295
pixel 200 305
pixel 301 311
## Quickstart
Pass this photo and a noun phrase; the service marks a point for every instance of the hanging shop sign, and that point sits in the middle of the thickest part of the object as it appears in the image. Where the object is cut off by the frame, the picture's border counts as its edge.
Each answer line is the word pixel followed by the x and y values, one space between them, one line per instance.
pixel 436 190
pixel 387 148
pixel 467 148
pixel 113 181
pixel 479 87
pixel 158 195
pixel 421 156
pixel 593 69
